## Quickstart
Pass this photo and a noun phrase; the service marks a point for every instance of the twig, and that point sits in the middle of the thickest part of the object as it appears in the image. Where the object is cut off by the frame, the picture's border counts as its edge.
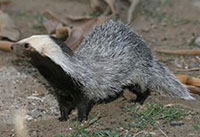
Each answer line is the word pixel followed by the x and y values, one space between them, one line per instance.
pixel 5 45
pixel 180 52
pixel 194 89
pixel 132 8
pixel 198 59
pixel 111 4
pixel 163 132
pixel 91 122
pixel 182 106
pixel 139 133
pixel 49 14
pixel 5 2
pixel 190 69
pixel 188 80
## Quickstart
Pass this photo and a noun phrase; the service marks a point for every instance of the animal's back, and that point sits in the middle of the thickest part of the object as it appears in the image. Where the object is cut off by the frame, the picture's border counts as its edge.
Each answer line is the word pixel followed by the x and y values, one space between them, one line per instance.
pixel 115 48
pixel 113 40
pixel 115 53
pixel 119 57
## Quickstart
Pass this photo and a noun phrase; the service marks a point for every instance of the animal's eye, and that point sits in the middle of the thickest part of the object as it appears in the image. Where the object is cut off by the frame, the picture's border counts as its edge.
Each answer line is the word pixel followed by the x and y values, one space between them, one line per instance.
pixel 26 45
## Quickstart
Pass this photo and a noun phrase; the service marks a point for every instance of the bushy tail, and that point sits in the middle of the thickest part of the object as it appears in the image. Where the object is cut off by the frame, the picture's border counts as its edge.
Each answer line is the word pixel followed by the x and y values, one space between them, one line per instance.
pixel 166 83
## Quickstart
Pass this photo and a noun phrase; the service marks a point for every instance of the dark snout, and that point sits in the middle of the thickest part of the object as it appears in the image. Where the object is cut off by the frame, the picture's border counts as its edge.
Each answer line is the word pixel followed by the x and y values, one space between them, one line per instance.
pixel 13 46
pixel 20 49
pixel 20 45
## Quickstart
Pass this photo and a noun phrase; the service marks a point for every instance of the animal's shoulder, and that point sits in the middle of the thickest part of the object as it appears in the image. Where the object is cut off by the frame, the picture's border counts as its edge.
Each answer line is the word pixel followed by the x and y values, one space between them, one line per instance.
pixel 110 39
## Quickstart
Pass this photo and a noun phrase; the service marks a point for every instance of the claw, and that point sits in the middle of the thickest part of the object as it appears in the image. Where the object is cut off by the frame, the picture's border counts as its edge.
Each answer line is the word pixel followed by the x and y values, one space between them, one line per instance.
pixel 63 118
pixel 81 119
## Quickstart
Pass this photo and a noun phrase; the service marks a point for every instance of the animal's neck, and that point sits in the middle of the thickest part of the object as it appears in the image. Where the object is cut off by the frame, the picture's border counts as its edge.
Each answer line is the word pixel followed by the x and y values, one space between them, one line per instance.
pixel 75 66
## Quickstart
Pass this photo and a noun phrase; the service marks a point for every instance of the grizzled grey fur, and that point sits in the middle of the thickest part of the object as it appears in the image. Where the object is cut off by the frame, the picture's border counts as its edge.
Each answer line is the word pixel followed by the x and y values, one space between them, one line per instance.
pixel 111 58
pixel 117 57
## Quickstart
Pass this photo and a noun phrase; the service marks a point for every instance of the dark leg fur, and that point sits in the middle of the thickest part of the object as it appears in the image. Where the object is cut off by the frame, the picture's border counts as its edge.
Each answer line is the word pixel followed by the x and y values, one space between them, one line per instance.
pixel 84 107
pixel 141 96
pixel 66 106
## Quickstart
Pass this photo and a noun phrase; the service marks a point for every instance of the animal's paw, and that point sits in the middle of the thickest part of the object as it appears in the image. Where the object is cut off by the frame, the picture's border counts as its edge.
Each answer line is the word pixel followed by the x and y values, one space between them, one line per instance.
pixel 63 118
pixel 81 119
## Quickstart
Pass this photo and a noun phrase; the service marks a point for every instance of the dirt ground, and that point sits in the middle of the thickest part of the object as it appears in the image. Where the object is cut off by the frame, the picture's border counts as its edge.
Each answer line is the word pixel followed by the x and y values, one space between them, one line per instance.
pixel 164 24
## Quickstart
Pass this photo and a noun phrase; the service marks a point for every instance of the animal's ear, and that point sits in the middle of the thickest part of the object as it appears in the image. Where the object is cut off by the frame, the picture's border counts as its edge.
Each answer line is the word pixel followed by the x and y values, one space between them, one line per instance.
pixel 62 45
pixel 56 40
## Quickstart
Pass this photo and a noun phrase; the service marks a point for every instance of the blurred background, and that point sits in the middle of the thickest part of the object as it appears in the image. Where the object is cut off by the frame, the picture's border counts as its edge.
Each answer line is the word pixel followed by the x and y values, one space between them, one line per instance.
pixel 166 26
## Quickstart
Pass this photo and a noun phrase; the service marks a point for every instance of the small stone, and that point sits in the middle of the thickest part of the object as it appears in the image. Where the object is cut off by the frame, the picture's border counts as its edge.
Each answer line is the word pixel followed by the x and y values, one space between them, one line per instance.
pixel 34 133
pixel 164 24
pixel 153 26
pixel 146 29
pixel 176 123
pixel 197 41
pixel 163 39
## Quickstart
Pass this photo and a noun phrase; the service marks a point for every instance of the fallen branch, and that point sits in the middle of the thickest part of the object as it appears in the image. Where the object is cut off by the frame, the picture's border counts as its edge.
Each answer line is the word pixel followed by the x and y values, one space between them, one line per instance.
pixel 190 69
pixel 194 89
pixel 180 52
pixel 94 120
pixel 5 45
pixel 8 29
pixel 163 132
pixel 188 80
pixel 198 59
pixel 111 4
pixel 141 132
pixel 132 8
pixel 81 27
pixel 5 2
pixel 51 15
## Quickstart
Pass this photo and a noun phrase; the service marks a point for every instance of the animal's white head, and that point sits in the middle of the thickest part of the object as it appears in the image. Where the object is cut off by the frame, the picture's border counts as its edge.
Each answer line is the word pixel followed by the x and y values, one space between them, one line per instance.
pixel 46 46
pixel 43 44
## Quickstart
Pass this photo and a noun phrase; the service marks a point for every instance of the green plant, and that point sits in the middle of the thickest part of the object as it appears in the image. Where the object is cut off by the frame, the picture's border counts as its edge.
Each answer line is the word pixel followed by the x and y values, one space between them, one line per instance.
pixel 196 125
pixel 149 115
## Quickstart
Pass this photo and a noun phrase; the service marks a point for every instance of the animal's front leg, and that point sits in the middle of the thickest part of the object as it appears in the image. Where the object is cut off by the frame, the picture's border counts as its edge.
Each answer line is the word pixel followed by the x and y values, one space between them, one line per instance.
pixel 66 107
pixel 84 107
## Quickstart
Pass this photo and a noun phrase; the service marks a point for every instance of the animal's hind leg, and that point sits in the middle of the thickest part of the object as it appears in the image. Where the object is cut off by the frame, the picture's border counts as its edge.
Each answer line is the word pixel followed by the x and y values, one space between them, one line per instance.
pixel 84 107
pixel 65 106
pixel 141 95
